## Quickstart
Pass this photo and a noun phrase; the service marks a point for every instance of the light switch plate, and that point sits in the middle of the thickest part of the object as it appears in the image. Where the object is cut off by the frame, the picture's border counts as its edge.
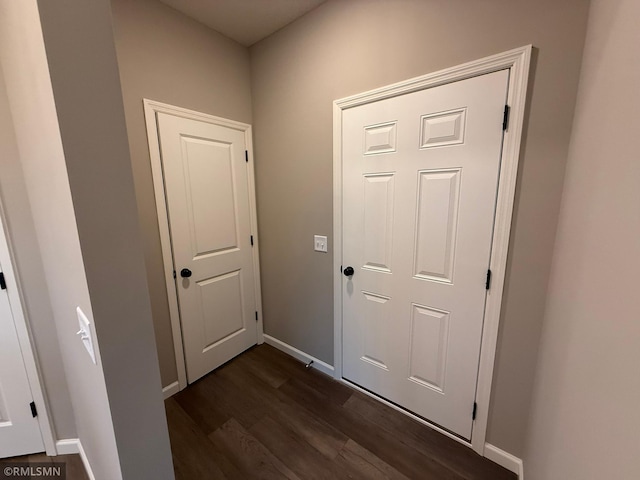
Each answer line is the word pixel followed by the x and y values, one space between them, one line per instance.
pixel 320 243
pixel 85 334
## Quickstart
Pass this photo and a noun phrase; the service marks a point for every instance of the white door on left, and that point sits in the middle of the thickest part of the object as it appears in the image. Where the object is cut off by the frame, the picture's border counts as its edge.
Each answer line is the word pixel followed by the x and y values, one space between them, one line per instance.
pixel 19 429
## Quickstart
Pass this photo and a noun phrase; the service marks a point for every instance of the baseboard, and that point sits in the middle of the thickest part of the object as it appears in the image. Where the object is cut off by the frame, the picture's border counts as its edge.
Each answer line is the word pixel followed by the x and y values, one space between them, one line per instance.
pixel 171 390
pixel 299 354
pixel 68 446
pixel 504 459
pixel 72 446
pixel 85 461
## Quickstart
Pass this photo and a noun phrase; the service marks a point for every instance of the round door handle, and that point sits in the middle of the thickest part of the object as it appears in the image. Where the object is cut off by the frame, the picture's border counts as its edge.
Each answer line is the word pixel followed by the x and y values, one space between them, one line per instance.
pixel 349 271
pixel 185 273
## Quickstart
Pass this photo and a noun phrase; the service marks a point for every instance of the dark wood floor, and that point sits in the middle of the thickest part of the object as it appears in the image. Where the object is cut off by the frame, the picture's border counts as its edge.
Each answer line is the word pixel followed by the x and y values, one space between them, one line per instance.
pixel 263 415
pixel 74 466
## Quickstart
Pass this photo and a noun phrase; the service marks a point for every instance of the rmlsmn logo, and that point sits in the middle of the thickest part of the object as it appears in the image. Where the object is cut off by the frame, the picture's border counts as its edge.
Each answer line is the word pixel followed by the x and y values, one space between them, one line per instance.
pixel 17 471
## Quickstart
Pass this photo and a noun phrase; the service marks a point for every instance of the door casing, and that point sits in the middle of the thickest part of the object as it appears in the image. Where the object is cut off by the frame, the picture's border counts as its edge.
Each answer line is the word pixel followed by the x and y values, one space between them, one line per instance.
pixel 517 61
pixel 151 109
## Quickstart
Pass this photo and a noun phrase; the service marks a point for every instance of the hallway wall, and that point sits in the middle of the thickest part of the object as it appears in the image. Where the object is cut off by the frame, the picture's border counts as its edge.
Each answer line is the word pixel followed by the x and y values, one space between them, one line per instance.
pixel 343 48
pixel 585 419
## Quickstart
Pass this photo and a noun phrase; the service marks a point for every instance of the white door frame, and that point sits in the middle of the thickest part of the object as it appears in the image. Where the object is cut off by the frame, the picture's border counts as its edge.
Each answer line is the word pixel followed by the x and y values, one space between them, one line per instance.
pixel 517 61
pixel 24 339
pixel 151 109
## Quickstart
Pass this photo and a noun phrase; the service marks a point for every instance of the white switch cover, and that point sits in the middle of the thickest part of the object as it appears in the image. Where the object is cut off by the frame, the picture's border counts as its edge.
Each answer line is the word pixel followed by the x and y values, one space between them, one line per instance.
pixel 85 333
pixel 320 243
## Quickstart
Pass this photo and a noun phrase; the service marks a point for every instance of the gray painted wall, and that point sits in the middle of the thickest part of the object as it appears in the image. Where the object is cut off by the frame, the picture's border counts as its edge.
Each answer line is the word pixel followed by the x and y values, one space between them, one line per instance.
pixel 585 419
pixel 21 235
pixel 343 48
pixel 86 85
pixel 193 67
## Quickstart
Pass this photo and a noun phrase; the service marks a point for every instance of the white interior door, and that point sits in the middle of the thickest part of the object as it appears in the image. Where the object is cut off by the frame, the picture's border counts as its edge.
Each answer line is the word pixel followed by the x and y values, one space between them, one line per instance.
pixel 208 203
pixel 420 175
pixel 19 429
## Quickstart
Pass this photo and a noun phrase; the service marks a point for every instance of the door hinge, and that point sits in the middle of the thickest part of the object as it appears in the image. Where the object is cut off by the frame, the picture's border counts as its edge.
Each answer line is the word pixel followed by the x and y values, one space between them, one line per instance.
pixel 488 283
pixel 340 268
pixel 475 410
pixel 252 240
pixel 505 118
pixel 246 156
pixel 34 412
pixel 3 284
pixel 174 274
pixel 256 316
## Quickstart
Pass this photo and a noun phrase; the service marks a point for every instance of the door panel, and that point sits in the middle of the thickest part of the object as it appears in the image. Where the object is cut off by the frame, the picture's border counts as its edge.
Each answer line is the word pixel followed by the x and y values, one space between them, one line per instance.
pixel 428 351
pixel 378 221
pixel 207 191
pixel 222 305
pixel 420 175
pixel 436 224
pixel 210 196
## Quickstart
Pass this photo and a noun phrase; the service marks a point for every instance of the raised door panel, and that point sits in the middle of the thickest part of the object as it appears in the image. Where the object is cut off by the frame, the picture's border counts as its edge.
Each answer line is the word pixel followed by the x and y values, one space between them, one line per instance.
pixel 437 221
pixel 443 128
pixel 378 221
pixel 428 350
pixel 377 320
pixel 380 138
pixel 222 308
pixel 210 195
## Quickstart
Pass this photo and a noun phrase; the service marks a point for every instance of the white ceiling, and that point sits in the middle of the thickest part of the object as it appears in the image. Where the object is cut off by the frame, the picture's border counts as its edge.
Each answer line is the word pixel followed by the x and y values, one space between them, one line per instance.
pixel 245 21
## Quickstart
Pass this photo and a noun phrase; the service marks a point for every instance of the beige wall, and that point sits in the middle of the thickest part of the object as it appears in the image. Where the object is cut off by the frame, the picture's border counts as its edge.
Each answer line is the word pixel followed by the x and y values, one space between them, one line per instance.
pixel 165 56
pixel 585 414
pixel 343 48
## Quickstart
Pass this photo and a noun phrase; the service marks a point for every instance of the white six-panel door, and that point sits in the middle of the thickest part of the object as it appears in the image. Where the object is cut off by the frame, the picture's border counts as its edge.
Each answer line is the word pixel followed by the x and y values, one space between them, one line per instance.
pixel 420 175
pixel 207 191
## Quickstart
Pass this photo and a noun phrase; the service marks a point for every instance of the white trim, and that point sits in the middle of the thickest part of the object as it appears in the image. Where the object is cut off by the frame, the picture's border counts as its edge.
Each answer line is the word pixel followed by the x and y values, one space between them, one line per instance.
pixel 504 459
pixel 23 329
pixel 68 446
pixel 85 461
pixel 151 109
pixel 299 354
pixel 517 61
pixel 73 446
pixel 170 390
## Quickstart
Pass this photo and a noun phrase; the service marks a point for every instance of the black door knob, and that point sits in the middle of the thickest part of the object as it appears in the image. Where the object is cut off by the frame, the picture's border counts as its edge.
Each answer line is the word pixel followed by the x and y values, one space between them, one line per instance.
pixel 185 273
pixel 349 271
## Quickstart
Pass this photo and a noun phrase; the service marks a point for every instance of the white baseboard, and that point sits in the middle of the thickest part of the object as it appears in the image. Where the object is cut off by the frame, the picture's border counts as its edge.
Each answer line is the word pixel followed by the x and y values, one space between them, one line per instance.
pixel 68 446
pixel 171 390
pixel 299 354
pixel 504 459
pixel 71 446
pixel 85 461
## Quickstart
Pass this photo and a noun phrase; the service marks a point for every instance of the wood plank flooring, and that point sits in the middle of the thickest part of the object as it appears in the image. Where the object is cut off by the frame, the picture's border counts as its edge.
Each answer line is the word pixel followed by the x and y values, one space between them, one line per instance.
pixel 264 416
pixel 74 466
